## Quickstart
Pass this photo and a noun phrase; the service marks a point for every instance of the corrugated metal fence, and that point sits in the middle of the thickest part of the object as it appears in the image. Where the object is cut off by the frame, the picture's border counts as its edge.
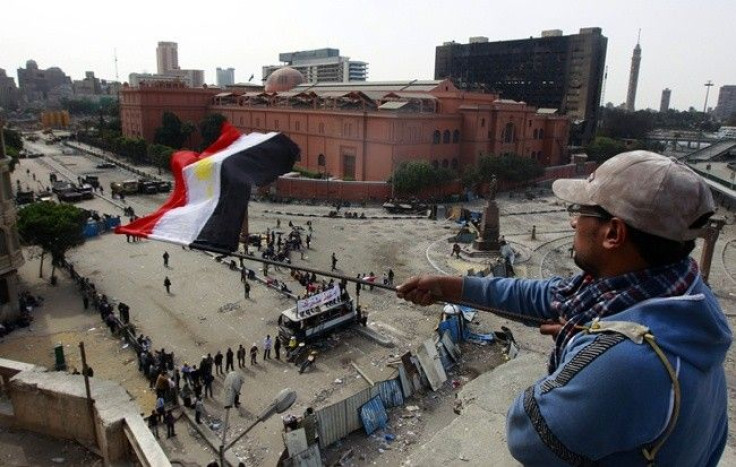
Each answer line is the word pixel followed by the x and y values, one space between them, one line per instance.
pixel 342 418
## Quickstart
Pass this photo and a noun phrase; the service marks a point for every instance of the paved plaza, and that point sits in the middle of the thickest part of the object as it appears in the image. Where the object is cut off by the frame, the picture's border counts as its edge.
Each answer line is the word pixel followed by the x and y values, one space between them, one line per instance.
pixel 206 310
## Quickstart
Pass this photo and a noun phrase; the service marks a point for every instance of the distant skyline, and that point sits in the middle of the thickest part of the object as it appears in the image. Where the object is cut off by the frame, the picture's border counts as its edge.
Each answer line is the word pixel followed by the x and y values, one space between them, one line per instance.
pixel 684 43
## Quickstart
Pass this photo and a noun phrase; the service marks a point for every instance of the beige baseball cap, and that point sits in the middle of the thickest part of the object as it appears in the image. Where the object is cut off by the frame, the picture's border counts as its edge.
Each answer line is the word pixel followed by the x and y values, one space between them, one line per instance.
pixel 653 193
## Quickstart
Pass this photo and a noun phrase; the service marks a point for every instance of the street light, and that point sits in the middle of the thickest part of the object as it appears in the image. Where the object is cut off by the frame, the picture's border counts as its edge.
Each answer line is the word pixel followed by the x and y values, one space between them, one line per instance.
pixel 280 404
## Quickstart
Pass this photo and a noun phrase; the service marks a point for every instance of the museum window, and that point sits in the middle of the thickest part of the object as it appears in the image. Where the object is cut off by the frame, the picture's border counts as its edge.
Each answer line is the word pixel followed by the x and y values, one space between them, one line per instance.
pixel 276 124
pixel 482 122
pixel 241 120
pixel 445 163
pixel 541 134
pixel 508 134
pixel 456 136
pixel 436 137
pixel 436 164
pixel 321 160
pixel 535 134
pixel 258 122
pixel 446 137
pixel 454 163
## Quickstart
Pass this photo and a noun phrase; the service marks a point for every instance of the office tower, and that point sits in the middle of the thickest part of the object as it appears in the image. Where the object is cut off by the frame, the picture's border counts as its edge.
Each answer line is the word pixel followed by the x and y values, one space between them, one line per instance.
pixel 726 102
pixel 633 78
pixel 225 76
pixel 321 66
pixel 552 71
pixel 167 57
pixel 664 104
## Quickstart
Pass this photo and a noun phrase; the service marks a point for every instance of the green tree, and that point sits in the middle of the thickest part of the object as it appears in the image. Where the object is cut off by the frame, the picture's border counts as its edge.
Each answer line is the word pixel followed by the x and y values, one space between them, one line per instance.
pixel 54 228
pixel 160 155
pixel 509 168
pixel 603 148
pixel 13 146
pixel 410 178
pixel 171 132
pixel 209 129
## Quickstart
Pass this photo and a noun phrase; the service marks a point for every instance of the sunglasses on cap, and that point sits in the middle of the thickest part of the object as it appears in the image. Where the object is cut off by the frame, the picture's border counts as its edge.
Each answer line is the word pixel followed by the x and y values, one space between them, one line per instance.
pixel 577 210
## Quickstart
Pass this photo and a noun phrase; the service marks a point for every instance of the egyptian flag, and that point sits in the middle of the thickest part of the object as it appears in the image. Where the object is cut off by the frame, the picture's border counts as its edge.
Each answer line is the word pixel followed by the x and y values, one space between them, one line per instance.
pixel 211 190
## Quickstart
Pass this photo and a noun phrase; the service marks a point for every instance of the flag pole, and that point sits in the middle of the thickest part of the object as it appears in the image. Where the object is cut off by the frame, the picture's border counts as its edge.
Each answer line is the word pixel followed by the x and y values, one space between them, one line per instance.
pixel 531 320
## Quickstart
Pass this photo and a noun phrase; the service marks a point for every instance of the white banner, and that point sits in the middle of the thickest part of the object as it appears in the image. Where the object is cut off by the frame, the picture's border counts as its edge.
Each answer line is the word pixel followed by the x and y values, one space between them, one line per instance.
pixel 317 300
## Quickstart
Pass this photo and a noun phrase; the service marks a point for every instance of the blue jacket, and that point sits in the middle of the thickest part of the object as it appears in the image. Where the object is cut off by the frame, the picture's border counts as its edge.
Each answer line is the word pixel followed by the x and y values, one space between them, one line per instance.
pixel 609 396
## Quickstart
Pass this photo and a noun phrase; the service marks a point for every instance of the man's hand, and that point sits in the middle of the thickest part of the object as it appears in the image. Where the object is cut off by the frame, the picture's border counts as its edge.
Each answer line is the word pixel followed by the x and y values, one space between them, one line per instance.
pixel 422 290
pixel 552 328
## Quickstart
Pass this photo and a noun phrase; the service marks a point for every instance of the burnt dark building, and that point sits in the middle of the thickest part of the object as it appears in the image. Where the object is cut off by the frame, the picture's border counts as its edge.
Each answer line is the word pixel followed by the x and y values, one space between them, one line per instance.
pixel 553 71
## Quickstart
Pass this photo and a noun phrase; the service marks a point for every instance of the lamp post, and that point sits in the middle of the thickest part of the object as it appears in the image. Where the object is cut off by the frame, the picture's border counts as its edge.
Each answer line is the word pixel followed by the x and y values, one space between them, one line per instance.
pixel 280 404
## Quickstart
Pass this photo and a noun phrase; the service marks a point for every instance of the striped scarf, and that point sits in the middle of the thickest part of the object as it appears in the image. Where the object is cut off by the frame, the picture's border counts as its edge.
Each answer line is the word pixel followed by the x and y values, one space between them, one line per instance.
pixel 580 299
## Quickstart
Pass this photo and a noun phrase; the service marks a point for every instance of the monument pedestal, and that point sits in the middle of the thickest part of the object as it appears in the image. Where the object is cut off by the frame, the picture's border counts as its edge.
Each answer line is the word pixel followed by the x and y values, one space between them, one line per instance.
pixel 489 232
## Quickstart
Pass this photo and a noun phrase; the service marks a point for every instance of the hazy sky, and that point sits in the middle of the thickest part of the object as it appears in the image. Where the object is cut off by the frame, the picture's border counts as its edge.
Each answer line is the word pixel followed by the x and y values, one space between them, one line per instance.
pixel 684 43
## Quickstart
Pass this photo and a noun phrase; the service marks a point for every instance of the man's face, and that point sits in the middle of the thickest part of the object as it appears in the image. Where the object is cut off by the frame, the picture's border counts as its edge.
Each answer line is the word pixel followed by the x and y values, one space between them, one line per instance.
pixel 587 243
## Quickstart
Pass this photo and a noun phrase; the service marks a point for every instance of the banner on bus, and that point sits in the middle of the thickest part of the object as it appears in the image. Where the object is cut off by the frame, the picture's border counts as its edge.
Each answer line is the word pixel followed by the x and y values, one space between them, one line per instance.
pixel 314 301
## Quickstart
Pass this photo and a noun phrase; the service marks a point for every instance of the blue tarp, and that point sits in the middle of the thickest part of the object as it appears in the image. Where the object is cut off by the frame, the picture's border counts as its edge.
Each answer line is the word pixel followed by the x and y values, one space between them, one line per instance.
pixel 91 230
pixel 481 338
pixel 390 393
pixel 373 415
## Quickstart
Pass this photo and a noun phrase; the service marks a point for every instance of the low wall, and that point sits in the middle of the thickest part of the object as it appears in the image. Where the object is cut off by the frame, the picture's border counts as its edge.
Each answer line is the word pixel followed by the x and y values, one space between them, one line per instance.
pixel 309 188
pixel 55 404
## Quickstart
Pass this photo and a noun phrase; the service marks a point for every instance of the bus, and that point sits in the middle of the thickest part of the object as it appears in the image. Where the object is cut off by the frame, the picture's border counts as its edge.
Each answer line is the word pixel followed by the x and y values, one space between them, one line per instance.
pixel 317 315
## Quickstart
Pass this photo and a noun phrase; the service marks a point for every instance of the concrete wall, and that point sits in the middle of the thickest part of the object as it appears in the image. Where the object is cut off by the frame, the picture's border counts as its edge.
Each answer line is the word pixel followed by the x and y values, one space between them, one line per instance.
pixel 55 404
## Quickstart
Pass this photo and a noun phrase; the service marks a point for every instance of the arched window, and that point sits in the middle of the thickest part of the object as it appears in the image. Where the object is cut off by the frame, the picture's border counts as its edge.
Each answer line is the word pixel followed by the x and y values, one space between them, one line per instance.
pixel 456 136
pixel 445 163
pixel 536 134
pixel 454 164
pixel 541 133
pixel 321 160
pixel 446 136
pixel 508 133
pixel 436 137
pixel 482 122
pixel 436 164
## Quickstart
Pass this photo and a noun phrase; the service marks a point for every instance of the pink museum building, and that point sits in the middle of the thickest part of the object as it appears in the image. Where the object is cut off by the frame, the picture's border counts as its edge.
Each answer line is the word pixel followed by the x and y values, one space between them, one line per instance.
pixel 363 130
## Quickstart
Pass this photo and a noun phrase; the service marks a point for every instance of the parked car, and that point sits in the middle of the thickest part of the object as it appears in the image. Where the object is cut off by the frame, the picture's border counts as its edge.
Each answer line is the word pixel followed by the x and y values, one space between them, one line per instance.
pixel 163 186
pixel 106 165
pixel 126 187
pixel 71 196
pixel 87 191
pixel 61 187
pixel 147 187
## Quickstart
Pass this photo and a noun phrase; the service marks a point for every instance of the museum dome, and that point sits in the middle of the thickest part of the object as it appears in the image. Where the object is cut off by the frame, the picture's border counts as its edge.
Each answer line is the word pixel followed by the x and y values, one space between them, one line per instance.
pixel 283 79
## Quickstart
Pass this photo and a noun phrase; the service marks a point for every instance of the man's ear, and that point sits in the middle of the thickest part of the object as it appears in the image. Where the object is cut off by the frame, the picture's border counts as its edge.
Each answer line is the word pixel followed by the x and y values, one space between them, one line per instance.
pixel 616 234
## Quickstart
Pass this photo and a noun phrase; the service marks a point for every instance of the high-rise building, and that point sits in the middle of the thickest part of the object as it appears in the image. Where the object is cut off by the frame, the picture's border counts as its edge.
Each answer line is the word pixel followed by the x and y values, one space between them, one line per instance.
pixel 167 61
pixel 321 66
pixel 553 71
pixel 225 76
pixel 664 104
pixel 9 95
pixel 726 102
pixel 633 78
pixel 167 57
pixel 37 84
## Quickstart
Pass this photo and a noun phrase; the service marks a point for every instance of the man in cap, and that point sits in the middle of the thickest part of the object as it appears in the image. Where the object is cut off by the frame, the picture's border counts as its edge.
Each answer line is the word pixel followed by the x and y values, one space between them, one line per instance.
pixel 636 375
